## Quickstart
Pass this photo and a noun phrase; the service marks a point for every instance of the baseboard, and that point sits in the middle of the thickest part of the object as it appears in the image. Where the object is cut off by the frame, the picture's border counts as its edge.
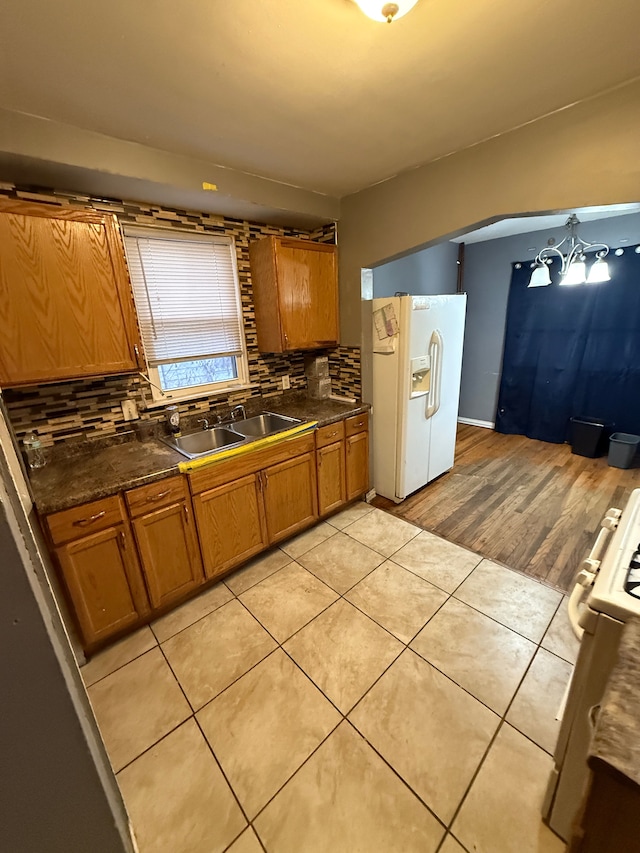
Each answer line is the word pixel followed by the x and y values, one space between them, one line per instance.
pixel 472 422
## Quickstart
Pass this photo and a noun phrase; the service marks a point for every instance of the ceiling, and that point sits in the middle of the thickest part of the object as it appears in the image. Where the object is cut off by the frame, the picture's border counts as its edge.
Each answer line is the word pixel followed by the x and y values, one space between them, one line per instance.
pixel 312 94
pixel 545 222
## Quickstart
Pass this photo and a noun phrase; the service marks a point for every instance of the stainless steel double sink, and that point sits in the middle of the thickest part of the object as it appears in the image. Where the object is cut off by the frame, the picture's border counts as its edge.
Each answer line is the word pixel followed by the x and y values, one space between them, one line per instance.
pixel 203 442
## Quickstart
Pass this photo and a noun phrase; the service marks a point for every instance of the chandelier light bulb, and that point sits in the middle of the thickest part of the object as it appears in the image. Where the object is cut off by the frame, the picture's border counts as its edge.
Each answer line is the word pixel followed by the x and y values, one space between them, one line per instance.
pixel 573 268
pixel 540 276
pixel 599 272
pixel 576 274
pixel 379 10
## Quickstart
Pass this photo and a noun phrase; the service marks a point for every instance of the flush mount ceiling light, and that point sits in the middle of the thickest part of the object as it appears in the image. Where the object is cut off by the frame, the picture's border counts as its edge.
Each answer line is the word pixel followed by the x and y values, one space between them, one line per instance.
pixel 574 266
pixel 378 10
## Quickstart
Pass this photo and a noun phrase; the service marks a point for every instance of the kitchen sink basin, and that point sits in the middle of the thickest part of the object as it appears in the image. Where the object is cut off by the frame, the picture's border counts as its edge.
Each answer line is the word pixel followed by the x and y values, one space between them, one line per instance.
pixel 205 441
pixel 266 423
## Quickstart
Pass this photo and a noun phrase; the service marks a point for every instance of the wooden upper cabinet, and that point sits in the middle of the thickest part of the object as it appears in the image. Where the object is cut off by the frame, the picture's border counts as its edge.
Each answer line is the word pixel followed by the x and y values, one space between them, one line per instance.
pixel 66 307
pixel 295 294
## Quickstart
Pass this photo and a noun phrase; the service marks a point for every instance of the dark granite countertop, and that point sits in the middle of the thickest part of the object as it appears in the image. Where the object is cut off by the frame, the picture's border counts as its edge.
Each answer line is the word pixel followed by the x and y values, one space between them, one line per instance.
pixel 89 470
pixel 101 471
pixel 616 742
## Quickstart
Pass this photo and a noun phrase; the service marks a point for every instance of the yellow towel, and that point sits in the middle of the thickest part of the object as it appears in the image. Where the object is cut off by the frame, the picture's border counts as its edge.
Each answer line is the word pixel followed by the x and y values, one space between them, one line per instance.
pixel 220 455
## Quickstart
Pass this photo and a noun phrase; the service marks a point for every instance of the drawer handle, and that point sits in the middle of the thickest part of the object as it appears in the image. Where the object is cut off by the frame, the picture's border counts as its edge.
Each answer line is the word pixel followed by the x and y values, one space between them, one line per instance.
pixel 158 497
pixel 331 434
pixel 360 423
pixel 82 522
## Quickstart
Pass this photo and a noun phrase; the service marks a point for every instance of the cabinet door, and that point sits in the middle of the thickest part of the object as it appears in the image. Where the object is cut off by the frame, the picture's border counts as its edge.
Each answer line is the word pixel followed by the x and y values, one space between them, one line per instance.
pixel 357 464
pixel 97 571
pixel 290 497
pixel 331 479
pixel 231 524
pixel 307 294
pixel 66 308
pixel 169 553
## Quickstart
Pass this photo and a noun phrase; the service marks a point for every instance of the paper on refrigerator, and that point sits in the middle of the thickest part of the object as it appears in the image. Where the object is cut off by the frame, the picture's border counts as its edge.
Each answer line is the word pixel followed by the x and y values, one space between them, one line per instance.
pixel 385 329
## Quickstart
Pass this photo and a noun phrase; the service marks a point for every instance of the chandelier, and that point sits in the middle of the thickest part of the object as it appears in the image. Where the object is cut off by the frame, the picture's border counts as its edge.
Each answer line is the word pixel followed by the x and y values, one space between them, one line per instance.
pixel 573 261
pixel 380 10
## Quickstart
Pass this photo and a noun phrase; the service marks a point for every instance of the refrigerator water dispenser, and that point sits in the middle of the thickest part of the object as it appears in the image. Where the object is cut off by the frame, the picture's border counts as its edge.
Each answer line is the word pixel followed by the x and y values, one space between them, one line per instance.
pixel 420 375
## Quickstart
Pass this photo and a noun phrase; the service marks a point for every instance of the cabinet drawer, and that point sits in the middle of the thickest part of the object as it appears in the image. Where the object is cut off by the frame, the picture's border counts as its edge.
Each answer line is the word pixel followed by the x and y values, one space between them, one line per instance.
pixel 155 495
pixel 357 423
pixel 217 474
pixel 329 434
pixel 81 520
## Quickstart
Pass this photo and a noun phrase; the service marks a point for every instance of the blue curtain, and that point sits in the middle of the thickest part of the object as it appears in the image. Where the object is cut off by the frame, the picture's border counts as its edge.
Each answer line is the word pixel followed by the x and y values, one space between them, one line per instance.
pixel 572 352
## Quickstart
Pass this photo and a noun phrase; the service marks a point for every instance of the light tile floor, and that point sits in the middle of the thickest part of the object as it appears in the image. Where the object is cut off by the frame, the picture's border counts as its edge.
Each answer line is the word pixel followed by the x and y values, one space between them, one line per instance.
pixel 366 687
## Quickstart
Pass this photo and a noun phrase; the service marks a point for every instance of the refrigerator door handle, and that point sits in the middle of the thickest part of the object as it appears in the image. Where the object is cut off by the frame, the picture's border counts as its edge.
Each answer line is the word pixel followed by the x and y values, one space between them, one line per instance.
pixel 435 351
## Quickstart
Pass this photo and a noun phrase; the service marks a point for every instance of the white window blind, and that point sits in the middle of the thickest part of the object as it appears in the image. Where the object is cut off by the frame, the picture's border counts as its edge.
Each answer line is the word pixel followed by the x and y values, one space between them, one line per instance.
pixel 186 293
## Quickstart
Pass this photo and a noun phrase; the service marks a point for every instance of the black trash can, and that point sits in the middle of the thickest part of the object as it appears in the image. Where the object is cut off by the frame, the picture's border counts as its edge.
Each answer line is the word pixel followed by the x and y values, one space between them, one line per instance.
pixel 589 436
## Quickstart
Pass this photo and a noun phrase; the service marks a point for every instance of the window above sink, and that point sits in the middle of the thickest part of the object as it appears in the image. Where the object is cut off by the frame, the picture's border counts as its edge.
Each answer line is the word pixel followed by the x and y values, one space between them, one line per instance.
pixel 187 298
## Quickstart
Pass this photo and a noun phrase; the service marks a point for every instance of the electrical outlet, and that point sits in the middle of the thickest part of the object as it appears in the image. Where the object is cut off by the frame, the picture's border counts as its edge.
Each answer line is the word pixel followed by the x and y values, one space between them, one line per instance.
pixel 129 410
pixel 286 383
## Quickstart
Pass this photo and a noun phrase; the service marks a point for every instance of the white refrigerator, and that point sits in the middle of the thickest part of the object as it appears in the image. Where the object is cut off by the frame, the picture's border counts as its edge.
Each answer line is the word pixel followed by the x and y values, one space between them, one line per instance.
pixel 417 362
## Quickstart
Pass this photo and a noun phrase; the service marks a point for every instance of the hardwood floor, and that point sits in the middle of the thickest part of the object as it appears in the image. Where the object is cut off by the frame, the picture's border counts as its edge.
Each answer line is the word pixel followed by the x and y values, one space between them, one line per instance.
pixel 530 505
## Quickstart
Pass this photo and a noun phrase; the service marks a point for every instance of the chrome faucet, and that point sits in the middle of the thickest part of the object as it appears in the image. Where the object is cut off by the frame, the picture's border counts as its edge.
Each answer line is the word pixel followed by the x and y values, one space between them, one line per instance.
pixel 233 415
pixel 204 422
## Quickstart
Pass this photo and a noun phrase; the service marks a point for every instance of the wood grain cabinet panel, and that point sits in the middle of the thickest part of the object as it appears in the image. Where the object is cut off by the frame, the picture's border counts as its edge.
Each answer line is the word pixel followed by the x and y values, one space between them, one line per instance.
pixel 331 477
pixel 231 524
pixel 357 464
pixel 66 307
pixel 99 574
pixel 81 520
pixel 290 497
pixel 295 294
pixel 169 552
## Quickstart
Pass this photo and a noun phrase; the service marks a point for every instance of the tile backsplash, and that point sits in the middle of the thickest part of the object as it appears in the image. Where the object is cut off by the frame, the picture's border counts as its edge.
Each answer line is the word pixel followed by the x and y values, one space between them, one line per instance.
pixel 91 407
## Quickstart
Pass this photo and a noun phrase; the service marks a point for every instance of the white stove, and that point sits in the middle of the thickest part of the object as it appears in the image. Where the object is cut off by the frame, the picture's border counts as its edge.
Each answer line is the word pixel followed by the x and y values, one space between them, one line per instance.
pixel 606 594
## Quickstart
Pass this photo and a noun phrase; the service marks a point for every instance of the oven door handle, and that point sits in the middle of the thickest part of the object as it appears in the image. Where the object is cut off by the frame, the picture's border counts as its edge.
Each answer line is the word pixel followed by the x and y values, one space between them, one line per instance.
pixel 589 570
pixel 576 598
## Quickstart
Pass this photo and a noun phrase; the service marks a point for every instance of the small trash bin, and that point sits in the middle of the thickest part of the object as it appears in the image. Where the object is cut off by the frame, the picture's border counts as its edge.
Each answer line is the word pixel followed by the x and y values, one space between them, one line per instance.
pixel 622 448
pixel 589 436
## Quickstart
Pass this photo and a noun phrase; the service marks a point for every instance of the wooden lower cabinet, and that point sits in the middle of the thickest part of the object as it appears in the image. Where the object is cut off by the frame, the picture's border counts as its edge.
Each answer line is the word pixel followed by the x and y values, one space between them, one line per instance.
pixel 99 572
pixel 169 553
pixel 125 559
pixel 231 523
pixel 290 496
pixel 357 464
pixel 167 541
pixel 331 477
